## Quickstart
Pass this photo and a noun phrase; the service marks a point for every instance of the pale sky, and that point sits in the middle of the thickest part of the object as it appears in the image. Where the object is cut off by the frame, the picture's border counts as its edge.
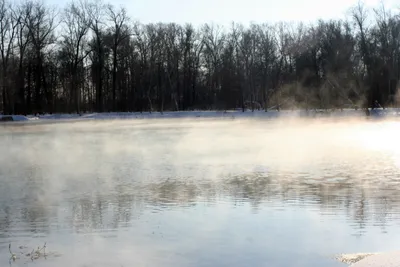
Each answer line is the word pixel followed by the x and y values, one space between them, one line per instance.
pixel 241 11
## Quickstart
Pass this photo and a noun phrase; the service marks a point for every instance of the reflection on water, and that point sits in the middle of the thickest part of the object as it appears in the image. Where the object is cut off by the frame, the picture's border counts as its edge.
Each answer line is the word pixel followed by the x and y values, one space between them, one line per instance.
pixel 207 193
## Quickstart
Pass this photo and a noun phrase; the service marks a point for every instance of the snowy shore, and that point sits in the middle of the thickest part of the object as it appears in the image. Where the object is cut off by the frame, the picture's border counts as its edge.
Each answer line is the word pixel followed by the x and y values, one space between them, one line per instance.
pixel 387 259
pixel 233 114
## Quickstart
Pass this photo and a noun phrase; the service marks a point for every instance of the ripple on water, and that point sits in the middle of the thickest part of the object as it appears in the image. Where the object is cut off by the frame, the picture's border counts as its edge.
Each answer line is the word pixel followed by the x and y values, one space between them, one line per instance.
pixel 199 195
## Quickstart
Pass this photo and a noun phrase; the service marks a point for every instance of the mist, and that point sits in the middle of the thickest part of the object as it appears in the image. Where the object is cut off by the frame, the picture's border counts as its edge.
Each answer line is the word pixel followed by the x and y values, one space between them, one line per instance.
pixel 98 178
pixel 155 150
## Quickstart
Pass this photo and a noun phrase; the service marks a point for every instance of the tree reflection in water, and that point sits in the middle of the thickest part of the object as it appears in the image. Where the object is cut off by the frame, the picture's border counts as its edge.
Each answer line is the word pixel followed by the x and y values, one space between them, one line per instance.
pixel 117 208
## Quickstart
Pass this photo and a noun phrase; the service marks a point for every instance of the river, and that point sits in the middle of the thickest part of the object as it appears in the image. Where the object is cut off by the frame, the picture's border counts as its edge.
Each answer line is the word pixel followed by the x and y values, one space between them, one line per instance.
pixel 209 192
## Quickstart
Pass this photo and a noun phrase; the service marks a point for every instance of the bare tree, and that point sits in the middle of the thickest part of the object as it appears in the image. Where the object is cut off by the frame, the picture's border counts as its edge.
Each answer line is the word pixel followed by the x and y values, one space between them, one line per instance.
pixel 74 43
pixel 173 58
pixel 100 60
pixel 41 22
pixel 8 30
pixel 214 41
pixel 96 13
pixel 360 16
pixel 119 32
pixel 267 55
pixel 21 13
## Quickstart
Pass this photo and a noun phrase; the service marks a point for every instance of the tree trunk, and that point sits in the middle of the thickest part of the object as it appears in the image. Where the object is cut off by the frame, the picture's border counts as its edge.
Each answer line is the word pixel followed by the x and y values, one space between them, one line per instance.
pixel 21 89
pixel 29 87
pixel 4 94
pixel 114 79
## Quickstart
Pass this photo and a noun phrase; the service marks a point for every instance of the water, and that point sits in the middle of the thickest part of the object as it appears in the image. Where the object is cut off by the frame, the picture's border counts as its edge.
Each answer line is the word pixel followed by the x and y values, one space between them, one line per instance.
pixel 199 193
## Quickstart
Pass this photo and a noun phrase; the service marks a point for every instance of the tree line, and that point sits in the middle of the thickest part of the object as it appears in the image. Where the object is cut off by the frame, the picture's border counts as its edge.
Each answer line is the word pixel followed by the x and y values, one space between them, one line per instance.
pixel 90 56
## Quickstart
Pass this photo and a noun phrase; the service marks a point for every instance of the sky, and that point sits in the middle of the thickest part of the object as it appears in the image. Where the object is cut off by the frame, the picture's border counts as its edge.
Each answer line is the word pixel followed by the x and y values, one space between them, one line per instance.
pixel 241 11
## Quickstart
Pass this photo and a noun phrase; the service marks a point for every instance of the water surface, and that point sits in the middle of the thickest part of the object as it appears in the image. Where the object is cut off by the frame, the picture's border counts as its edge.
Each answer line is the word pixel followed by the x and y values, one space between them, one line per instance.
pixel 199 192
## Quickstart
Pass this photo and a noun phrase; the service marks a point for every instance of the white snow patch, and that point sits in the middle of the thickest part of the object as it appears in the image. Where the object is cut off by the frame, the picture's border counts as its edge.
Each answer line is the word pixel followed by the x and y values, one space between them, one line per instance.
pixel 389 259
pixel 231 114
pixel 197 114
pixel 353 258
pixel 14 118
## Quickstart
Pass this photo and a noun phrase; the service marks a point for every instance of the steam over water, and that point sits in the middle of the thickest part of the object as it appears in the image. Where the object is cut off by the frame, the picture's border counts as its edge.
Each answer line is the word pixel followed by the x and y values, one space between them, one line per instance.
pixel 199 192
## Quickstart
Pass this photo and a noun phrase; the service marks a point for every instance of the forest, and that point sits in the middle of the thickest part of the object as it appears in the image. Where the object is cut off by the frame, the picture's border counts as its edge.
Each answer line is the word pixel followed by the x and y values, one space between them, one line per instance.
pixel 90 56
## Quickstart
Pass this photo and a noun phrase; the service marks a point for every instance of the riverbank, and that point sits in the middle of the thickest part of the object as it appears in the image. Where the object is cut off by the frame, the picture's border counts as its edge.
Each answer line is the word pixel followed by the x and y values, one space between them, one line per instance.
pixel 204 114
pixel 387 259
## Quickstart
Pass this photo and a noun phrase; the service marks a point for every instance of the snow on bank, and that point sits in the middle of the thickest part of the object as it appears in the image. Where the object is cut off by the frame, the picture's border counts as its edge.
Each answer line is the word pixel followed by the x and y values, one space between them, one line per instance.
pixel 222 114
pixel 234 114
pixel 5 118
pixel 353 258
pixel 388 259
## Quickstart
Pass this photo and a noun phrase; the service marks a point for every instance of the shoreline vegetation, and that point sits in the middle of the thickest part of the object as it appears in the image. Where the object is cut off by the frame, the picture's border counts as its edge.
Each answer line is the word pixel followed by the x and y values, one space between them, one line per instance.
pixel 90 56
